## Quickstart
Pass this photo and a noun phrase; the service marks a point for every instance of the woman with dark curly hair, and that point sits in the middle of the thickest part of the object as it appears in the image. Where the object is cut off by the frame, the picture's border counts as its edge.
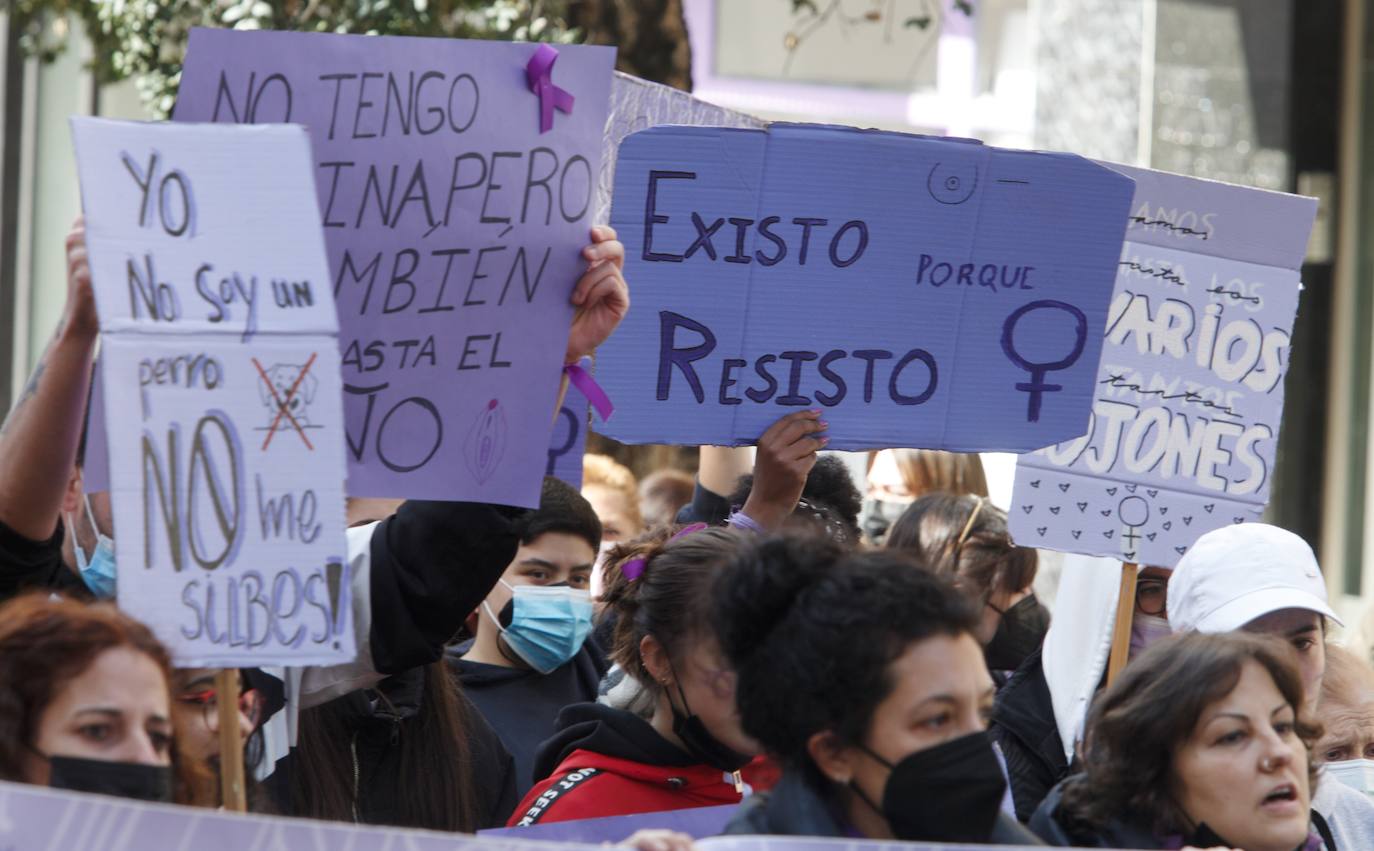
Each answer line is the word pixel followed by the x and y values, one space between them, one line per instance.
pixel 861 674
pixel 1201 741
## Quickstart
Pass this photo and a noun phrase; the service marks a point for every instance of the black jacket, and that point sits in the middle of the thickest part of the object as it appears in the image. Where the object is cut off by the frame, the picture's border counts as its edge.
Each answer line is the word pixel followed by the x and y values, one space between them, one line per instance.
pixel 26 565
pixel 1023 725
pixel 795 808
pixel 1052 824
pixel 522 705
pixel 1057 827
pixel 381 718
pixel 433 563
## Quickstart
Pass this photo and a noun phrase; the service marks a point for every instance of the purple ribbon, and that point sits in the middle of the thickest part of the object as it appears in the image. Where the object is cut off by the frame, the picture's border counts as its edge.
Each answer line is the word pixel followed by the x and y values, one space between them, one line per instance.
pixel 634 568
pixel 587 386
pixel 551 97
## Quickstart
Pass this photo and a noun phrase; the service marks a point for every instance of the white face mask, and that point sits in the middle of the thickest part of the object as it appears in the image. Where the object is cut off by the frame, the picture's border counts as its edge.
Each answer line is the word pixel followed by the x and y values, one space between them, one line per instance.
pixel 1146 630
pixel 597 582
pixel 1358 774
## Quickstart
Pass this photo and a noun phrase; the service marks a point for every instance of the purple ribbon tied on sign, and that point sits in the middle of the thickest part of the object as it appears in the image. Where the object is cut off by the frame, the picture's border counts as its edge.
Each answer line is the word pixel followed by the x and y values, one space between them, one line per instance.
pixel 538 72
pixel 587 386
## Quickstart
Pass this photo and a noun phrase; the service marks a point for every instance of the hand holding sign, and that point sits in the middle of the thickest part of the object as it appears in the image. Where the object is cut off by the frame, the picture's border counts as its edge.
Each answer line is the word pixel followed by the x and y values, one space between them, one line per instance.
pixel 601 297
pixel 787 452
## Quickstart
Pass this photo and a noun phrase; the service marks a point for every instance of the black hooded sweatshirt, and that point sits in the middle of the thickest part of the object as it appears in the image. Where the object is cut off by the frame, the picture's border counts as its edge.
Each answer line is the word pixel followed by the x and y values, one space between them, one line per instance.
pixel 522 705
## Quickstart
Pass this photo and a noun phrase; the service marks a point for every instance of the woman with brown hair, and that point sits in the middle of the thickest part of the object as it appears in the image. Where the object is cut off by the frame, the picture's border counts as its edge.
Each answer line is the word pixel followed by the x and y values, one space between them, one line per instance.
pixel 690 751
pixel 898 477
pixel 85 700
pixel 965 539
pixel 1201 741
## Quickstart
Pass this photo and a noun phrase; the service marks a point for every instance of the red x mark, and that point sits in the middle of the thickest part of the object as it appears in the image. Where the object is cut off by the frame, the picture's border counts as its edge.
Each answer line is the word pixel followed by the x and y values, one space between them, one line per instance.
pixel 282 410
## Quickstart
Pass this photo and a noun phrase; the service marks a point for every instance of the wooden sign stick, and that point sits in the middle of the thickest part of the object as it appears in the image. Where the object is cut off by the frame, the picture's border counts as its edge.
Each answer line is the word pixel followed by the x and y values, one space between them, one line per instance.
pixel 230 742
pixel 1121 633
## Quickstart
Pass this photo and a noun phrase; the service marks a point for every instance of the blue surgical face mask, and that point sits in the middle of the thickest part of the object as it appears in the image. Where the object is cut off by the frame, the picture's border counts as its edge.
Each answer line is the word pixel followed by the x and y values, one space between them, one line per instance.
pixel 548 624
pixel 99 571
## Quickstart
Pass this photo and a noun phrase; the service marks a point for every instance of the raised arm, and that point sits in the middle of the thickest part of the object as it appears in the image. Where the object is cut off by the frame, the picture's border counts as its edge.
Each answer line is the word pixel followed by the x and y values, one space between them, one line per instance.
pixel 39 439
pixel 434 562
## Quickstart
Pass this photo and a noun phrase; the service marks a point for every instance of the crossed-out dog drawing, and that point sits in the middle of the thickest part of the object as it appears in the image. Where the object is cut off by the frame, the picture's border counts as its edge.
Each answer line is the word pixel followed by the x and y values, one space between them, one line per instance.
pixel 297 405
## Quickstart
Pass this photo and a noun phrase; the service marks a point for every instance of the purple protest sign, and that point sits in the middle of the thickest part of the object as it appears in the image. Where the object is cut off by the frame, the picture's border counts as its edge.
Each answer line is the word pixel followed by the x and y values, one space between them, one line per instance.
pixel 569 441
pixel 926 292
pixel 456 184
pixel 1190 388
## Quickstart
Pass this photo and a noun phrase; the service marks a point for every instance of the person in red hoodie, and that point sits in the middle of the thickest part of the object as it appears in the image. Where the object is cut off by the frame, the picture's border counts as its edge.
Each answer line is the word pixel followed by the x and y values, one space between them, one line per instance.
pixel 691 751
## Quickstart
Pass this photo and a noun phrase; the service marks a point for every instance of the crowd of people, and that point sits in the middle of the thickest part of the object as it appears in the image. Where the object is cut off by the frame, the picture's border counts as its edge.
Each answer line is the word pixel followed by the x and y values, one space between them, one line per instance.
pixel 736 636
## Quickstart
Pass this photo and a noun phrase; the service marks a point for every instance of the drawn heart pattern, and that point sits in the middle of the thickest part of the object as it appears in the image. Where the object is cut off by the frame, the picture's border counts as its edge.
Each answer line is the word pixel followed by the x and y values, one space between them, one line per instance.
pixel 1126 516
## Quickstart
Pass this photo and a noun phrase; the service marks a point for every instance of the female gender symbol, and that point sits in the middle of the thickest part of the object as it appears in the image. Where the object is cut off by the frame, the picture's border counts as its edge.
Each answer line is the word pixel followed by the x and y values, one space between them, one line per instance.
pixel 1037 386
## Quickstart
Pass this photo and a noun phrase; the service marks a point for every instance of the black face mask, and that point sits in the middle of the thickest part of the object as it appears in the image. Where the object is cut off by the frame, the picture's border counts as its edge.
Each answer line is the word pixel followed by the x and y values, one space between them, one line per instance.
pixel 879 515
pixel 1020 633
pixel 121 779
pixel 949 793
pixel 699 741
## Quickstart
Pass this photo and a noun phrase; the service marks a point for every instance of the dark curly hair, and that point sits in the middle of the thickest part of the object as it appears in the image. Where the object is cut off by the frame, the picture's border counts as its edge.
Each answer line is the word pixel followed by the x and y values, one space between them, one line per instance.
pixel 1138 723
pixel 830 502
pixel 984 562
pixel 670 598
pixel 812 628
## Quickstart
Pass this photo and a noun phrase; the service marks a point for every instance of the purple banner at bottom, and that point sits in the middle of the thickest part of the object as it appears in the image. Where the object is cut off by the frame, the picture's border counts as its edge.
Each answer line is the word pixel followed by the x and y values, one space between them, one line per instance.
pixel 34 817
pixel 696 822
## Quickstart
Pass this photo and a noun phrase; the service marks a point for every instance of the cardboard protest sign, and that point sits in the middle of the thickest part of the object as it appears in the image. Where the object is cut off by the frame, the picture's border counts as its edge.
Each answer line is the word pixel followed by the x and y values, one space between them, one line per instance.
pixel 456 182
pixel 569 441
pixel 640 104
pixel 1190 391
pixel 925 292
pixel 39 817
pixel 221 397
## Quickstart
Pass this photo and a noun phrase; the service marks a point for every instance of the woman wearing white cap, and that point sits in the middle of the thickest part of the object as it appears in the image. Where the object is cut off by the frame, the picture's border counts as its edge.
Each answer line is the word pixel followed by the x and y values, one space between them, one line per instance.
pixel 1263 579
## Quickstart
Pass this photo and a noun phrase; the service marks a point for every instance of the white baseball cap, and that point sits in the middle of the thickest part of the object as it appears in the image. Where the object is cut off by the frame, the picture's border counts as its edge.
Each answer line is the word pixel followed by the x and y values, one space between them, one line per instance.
pixel 1238 573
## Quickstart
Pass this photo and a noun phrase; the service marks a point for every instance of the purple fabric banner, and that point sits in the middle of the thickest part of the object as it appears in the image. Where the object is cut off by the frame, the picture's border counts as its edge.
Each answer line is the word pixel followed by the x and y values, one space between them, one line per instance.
pixel 454 226
pixel 696 822
pixel 33 817
pixel 1190 389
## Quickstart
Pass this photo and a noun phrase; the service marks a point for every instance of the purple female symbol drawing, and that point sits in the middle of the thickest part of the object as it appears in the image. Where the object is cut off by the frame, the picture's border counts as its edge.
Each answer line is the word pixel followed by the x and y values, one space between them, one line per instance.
pixel 486 442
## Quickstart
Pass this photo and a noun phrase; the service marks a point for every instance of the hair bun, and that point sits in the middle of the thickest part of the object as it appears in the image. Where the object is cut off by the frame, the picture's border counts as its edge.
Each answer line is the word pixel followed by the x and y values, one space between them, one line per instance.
pixel 755 593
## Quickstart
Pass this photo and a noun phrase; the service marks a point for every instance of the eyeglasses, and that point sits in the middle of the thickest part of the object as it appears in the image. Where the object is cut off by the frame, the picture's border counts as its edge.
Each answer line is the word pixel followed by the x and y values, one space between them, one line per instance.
pixel 1152 596
pixel 251 705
